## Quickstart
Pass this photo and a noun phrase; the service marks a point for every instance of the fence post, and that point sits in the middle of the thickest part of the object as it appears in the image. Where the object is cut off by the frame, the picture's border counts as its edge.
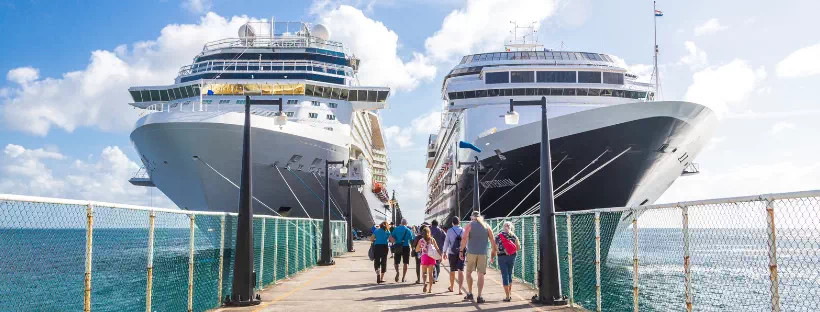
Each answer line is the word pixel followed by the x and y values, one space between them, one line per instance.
pixel 89 231
pixel 221 259
pixel 191 267
pixel 635 260
pixel 287 249
pixel 522 254
pixel 150 269
pixel 687 273
pixel 773 278
pixel 569 260
pixel 260 279
pixel 598 260
pixel 296 257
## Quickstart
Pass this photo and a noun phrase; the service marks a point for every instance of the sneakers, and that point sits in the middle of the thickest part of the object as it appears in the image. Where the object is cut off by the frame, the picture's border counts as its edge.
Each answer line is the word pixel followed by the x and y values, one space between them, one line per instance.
pixel 480 300
pixel 508 299
pixel 469 296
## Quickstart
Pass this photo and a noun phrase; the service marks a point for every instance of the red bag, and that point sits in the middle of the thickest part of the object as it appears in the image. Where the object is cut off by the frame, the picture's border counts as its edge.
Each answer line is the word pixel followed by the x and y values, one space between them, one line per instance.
pixel 509 246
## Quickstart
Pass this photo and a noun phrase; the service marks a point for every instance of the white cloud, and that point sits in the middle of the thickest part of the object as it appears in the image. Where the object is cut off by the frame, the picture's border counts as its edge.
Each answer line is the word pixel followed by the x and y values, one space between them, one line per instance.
pixel 411 190
pixel 781 126
pixel 643 71
pixel 801 63
pixel 723 86
pixel 398 136
pixel 97 96
pixel 377 47
pixel 695 57
pixel 709 27
pixel 197 6
pixel 425 124
pixel 23 75
pixel 482 26
pixel 30 172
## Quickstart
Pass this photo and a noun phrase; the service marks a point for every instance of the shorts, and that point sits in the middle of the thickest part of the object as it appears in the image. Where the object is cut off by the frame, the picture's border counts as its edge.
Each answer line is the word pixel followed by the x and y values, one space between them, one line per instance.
pixel 427 260
pixel 404 254
pixel 456 264
pixel 476 263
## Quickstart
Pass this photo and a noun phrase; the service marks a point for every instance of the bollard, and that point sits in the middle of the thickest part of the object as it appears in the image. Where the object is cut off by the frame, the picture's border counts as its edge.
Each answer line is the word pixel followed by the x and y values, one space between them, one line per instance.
pixel 687 273
pixel 598 260
pixel 569 260
pixel 259 280
pixel 150 269
pixel 635 260
pixel 221 259
pixel 191 268
pixel 773 278
pixel 89 231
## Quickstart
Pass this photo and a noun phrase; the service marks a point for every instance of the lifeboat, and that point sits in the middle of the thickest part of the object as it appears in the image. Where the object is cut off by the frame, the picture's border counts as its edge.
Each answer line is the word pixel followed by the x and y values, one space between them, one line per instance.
pixel 381 192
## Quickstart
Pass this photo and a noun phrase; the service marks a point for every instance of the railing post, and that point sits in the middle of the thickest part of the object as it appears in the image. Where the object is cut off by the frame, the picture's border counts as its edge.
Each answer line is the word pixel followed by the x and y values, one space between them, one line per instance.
pixel 191 267
pixel 773 277
pixel 296 257
pixel 275 247
pixel 287 249
pixel 598 260
pixel 221 259
pixel 569 261
pixel 522 254
pixel 89 234
pixel 260 279
pixel 635 260
pixel 150 269
pixel 687 273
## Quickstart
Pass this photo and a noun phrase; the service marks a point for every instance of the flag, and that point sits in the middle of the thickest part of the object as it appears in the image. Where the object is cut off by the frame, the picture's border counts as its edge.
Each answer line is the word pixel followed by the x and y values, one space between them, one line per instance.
pixel 658 13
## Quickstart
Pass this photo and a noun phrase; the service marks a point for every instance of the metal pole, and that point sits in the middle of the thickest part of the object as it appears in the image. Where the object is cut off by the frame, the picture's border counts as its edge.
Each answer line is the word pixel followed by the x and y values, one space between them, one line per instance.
pixel 221 259
pixel 349 221
pixel 598 261
pixel 476 197
pixel 191 266
pixel 687 273
pixel 635 260
pixel 275 248
pixel 287 248
pixel 150 269
pixel 89 235
pixel 549 290
pixel 569 260
pixel 242 290
pixel 296 257
pixel 327 253
pixel 773 278
pixel 261 256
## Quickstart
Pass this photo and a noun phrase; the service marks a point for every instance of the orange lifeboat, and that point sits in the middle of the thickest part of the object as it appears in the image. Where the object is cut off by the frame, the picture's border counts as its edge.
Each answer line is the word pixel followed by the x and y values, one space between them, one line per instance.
pixel 377 188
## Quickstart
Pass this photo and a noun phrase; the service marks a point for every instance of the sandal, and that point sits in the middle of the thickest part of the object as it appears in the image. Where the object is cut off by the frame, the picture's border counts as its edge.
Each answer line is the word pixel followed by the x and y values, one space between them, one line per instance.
pixel 425 289
pixel 508 299
pixel 450 289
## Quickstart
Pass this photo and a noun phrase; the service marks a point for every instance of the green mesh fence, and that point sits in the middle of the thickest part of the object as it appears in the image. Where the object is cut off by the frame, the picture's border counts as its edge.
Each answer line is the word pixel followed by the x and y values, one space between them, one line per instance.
pixel 186 258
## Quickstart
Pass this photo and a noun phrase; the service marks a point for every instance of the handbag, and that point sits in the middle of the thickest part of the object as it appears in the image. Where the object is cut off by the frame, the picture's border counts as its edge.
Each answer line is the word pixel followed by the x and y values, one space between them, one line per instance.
pixel 509 246
pixel 371 253
pixel 432 252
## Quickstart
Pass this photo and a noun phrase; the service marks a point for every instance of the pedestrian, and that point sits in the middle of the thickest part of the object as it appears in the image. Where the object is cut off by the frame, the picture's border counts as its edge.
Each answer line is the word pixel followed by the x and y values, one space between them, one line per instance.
pixel 509 246
pixel 417 255
pixel 474 250
pixel 379 239
pixel 452 244
pixel 401 237
pixel 439 235
pixel 429 251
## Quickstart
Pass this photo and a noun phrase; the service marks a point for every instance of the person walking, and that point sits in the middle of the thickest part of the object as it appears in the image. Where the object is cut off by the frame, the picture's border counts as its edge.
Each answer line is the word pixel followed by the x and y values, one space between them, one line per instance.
pixel 401 236
pixel 417 255
pixel 439 235
pixel 474 250
pixel 510 245
pixel 380 250
pixel 429 251
pixel 452 244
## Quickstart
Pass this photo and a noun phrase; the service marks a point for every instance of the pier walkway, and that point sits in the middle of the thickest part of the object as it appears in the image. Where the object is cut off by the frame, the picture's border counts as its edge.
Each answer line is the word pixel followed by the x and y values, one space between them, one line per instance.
pixel 350 286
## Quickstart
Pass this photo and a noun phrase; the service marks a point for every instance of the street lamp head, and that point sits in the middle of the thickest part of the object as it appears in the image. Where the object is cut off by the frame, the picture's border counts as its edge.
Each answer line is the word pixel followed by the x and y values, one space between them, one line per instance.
pixel 511 118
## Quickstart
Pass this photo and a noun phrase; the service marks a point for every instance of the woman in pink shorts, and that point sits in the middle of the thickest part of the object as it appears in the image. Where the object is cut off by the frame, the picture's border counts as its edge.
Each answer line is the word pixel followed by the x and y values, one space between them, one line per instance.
pixel 429 251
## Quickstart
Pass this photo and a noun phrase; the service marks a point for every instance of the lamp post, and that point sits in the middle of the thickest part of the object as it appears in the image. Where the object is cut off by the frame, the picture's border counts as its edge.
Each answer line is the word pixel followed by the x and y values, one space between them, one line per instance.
pixel 549 281
pixel 243 280
pixel 476 164
pixel 327 253
pixel 458 199
pixel 349 217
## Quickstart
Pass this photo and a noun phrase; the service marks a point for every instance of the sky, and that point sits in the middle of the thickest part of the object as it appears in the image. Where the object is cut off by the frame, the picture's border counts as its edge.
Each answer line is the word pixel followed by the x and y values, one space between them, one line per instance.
pixel 65 70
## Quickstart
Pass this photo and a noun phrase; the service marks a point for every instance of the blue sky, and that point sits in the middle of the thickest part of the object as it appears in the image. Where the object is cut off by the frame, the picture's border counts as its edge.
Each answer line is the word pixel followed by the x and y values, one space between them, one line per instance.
pixel 64 121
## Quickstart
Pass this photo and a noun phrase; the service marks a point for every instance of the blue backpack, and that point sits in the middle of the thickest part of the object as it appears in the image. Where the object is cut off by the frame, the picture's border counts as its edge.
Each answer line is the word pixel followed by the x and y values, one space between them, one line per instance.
pixel 457 245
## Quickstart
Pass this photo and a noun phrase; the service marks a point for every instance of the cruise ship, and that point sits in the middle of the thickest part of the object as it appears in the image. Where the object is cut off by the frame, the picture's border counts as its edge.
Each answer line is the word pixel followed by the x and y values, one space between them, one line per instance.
pixel 613 143
pixel 190 137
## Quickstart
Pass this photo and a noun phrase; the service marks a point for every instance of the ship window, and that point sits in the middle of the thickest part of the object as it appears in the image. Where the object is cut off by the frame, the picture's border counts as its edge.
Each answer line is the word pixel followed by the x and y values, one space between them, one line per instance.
pixel 469 58
pixel 548 55
pixel 497 56
pixel 579 56
pixel 519 91
pixel 606 92
pixel 309 90
pixel 177 93
pixel 589 77
pixel 555 92
pixel 344 95
pixel 331 117
pixel 240 102
pixel 184 92
pixel 382 96
pixel 463 60
pixel 332 105
pixel 363 95
pixel 289 114
pixel 451 95
pixel 315 103
pixel 171 94
pixel 544 91
pixel 469 94
pixel 499 77
pixel 640 95
pixel 481 93
pixel 533 55
pixel 334 93
pixel 618 93
pixel 541 55
pixel 293 102
pixel 581 92
pixel 163 95
pixel 136 96
pixel 354 96
pixel 319 91
pixel 629 94
pixel 594 92
pixel 372 96
pixel 522 76
pixel 556 76
pixel 313 115
pixel 508 92
pixel 146 96
pixel 492 92
pixel 155 95
pixel 569 92
pixel 224 101
pixel 613 78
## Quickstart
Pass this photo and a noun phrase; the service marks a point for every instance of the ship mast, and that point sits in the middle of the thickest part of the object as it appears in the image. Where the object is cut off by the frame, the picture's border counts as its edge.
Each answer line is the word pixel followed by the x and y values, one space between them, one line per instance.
pixel 655 69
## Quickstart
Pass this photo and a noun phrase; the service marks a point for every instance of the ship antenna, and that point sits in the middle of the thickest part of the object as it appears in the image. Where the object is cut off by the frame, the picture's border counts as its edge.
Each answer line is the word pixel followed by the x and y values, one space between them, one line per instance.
pixel 655 72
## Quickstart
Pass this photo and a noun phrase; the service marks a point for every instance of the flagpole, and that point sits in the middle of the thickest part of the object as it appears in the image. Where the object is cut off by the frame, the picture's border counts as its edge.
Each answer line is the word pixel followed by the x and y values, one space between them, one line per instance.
pixel 655 15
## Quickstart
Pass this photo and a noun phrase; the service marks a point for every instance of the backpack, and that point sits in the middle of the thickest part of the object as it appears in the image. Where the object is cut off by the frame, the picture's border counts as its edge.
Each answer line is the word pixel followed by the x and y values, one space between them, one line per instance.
pixel 509 245
pixel 457 244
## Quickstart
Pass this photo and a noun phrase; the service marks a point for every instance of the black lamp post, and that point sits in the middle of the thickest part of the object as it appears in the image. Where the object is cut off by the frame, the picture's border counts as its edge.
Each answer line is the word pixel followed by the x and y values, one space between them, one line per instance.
pixel 549 280
pixel 243 280
pixel 349 215
pixel 458 199
pixel 327 253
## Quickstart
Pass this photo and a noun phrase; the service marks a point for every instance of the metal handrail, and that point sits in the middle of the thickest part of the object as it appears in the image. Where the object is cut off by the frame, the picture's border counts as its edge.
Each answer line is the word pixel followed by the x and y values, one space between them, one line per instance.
pixel 276 42
pixel 207 66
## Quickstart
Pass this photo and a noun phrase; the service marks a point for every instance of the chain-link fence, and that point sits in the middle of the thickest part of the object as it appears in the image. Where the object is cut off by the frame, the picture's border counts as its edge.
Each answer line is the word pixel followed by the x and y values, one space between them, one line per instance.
pixel 756 253
pixel 69 255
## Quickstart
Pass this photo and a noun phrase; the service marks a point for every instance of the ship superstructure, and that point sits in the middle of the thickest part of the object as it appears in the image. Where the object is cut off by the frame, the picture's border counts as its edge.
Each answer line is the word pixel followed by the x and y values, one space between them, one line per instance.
pixel 190 141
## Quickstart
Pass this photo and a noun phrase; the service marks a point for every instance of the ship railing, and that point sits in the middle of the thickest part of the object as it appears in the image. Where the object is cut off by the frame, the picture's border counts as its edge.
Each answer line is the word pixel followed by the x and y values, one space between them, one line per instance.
pixel 275 42
pixel 757 252
pixel 264 66
pixel 137 256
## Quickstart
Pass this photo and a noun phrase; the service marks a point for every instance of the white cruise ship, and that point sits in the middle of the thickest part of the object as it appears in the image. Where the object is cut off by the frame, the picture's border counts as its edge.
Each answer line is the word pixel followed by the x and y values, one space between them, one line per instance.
pixel 190 140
